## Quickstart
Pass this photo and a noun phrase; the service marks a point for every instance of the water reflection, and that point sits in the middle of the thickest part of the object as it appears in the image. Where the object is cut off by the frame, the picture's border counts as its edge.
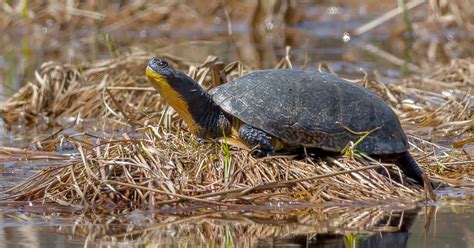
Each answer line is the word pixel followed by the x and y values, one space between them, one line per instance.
pixel 25 230
pixel 336 226
pixel 394 232
pixel 347 226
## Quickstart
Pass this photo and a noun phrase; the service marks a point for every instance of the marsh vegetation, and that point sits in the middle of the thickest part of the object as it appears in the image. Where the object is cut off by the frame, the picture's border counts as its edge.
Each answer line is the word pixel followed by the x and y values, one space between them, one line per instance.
pixel 85 137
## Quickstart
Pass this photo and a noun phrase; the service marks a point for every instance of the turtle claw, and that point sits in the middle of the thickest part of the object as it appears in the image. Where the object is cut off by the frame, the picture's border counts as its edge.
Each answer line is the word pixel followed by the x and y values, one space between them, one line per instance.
pixel 201 141
pixel 262 153
pixel 254 137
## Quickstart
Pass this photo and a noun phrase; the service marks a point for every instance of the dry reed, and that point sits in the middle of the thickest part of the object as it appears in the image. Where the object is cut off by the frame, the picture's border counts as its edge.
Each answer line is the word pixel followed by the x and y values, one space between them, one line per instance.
pixel 164 169
pixel 164 165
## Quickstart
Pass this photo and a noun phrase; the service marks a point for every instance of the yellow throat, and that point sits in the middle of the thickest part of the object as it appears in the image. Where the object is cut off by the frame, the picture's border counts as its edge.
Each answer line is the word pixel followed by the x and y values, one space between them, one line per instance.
pixel 173 98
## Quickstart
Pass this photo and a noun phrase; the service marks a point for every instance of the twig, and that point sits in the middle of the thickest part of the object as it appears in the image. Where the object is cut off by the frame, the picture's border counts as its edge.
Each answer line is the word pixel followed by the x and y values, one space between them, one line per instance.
pixel 390 57
pixel 280 184
pixel 387 16
pixel 191 198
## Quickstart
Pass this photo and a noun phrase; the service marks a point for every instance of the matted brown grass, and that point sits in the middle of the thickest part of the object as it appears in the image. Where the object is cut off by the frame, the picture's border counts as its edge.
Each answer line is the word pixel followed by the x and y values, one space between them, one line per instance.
pixel 163 165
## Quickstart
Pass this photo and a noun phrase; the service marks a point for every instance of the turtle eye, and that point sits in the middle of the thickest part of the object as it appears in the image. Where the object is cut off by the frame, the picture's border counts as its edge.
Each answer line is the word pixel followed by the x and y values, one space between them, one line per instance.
pixel 162 64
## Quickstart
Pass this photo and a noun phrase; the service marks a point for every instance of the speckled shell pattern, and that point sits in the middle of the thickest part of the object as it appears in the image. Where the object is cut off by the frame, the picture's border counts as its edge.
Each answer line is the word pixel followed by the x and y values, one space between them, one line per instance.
pixel 312 109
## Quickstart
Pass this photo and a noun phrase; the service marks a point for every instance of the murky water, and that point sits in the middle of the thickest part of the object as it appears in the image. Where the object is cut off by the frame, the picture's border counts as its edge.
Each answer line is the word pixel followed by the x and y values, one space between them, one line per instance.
pixel 321 38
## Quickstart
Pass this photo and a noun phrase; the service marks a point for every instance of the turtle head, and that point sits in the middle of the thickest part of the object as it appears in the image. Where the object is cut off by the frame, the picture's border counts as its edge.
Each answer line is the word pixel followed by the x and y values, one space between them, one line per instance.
pixel 184 94
pixel 158 68
pixel 170 82
pixel 174 87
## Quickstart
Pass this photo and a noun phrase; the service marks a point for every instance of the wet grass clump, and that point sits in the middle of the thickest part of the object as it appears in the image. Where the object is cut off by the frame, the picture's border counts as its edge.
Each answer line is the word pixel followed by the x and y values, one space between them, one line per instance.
pixel 162 165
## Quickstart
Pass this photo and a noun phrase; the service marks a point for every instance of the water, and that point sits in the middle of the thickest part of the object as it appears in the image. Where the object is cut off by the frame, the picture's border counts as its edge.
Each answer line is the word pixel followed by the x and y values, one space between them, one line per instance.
pixel 322 37
pixel 15 232
pixel 335 226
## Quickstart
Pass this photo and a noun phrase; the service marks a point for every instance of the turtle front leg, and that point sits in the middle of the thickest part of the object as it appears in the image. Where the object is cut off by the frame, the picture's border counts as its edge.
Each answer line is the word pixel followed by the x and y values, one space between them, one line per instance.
pixel 255 137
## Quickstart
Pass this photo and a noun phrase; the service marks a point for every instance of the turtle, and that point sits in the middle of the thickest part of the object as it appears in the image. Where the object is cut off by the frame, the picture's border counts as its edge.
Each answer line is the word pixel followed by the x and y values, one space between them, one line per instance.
pixel 283 109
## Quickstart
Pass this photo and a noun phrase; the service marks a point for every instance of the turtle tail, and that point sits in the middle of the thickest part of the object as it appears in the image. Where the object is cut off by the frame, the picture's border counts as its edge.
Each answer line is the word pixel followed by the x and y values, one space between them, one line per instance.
pixel 409 166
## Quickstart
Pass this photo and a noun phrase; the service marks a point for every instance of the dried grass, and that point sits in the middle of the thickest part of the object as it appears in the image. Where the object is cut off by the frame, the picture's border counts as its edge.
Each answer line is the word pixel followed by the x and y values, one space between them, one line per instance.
pixel 164 166
pixel 444 34
pixel 168 168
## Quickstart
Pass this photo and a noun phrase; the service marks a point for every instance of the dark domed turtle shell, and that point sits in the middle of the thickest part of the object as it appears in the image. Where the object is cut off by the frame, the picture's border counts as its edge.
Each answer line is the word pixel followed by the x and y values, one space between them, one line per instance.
pixel 312 109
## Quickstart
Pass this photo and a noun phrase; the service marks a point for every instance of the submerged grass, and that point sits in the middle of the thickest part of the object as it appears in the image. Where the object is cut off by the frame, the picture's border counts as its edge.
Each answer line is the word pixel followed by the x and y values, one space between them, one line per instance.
pixel 163 165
